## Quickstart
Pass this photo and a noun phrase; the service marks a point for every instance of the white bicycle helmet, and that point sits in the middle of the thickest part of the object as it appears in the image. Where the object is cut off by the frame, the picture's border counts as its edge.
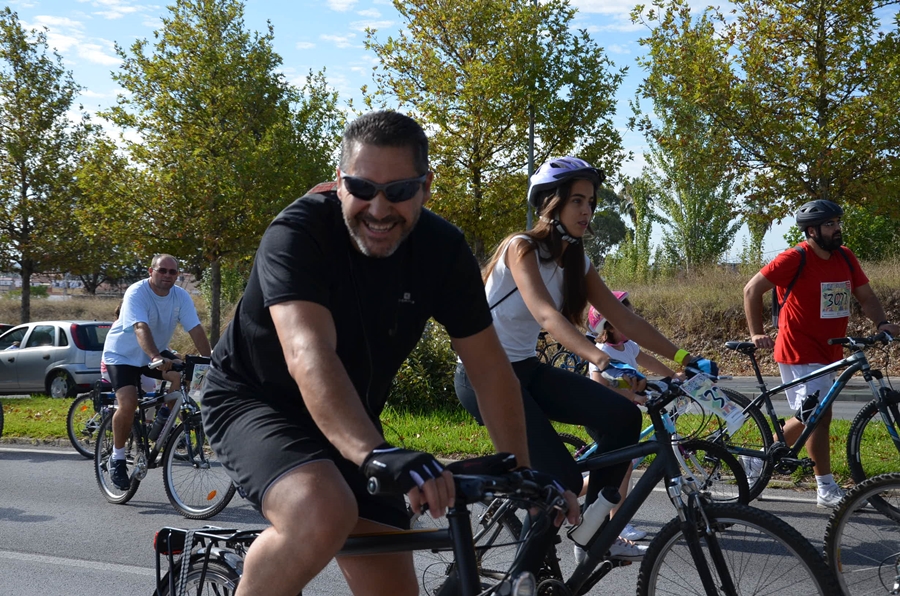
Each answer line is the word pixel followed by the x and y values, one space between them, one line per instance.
pixel 558 170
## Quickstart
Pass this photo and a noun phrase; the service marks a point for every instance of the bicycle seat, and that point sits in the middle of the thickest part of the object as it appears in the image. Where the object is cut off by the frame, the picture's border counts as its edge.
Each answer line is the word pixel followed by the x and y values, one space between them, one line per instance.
pixel 746 347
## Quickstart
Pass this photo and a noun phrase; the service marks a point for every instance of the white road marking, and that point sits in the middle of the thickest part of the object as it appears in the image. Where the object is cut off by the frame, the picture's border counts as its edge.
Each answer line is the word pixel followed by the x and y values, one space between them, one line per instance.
pixel 93 565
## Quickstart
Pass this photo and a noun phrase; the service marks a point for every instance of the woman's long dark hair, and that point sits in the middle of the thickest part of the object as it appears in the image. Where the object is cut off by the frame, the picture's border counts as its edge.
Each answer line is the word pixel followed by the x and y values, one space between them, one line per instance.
pixel 545 235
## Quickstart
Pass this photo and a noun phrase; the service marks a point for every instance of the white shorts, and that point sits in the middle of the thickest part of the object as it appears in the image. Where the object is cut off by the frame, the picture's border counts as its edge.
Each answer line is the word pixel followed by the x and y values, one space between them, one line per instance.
pixel 796 395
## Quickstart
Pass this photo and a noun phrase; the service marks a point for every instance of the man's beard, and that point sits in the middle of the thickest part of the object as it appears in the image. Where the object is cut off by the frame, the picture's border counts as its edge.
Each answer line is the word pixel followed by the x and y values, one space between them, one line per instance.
pixel 832 244
pixel 356 236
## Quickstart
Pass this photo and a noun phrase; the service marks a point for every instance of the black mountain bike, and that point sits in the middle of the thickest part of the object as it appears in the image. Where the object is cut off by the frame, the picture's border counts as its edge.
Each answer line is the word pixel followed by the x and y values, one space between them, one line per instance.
pixel 874 438
pixel 708 548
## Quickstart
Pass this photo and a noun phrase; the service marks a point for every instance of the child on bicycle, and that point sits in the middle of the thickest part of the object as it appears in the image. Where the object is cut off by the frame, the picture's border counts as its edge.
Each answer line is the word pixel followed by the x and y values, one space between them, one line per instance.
pixel 622 376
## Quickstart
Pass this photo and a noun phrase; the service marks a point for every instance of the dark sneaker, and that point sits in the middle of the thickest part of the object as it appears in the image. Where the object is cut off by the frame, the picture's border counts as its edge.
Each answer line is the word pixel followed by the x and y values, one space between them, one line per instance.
pixel 118 473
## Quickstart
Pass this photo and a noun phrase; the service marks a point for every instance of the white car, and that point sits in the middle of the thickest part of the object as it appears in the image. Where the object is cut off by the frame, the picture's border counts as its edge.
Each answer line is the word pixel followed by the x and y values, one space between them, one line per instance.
pixel 61 358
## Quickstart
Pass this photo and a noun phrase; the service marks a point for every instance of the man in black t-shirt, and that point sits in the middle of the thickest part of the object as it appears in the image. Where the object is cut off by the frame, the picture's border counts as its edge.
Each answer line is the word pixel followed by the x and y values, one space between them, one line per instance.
pixel 342 286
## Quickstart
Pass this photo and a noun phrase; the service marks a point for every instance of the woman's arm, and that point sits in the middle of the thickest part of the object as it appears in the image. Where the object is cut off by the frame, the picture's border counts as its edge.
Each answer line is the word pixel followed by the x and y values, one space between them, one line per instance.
pixel 647 361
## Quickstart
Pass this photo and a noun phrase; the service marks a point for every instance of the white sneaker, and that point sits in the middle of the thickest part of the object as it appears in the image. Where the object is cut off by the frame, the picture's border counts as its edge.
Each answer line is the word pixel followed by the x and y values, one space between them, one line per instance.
pixel 627 550
pixel 829 497
pixel 631 533
pixel 753 467
pixel 580 555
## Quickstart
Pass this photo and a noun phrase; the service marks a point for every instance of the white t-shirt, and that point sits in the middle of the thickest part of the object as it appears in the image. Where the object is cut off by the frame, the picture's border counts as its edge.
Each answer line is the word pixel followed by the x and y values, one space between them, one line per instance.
pixel 627 354
pixel 161 313
pixel 515 325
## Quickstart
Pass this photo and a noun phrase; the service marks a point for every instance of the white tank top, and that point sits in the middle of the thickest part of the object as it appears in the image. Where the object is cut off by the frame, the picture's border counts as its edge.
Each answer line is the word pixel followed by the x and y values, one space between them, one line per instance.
pixel 515 325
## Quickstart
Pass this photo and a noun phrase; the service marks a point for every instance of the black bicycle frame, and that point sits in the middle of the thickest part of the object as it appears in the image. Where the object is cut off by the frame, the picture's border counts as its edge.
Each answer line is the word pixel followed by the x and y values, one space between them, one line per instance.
pixel 665 466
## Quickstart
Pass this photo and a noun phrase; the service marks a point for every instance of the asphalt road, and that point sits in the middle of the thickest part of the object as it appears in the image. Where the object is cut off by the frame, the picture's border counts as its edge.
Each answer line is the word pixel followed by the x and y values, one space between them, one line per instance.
pixel 58 536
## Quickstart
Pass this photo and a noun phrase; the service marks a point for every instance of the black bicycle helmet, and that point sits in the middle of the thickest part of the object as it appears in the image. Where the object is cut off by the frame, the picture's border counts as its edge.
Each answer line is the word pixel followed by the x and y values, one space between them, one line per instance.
pixel 558 170
pixel 817 212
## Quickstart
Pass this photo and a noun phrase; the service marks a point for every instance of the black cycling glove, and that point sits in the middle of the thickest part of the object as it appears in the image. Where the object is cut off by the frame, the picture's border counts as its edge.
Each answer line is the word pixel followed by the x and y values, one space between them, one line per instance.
pixel 541 478
pixel 396 470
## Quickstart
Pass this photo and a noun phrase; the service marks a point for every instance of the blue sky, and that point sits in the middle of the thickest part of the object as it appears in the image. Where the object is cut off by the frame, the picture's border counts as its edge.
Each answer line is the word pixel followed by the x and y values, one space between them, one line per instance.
pixel 308 35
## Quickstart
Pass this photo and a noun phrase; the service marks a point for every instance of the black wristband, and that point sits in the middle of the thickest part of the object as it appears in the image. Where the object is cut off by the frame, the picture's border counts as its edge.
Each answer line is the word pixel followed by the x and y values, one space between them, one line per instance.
pixel 878 326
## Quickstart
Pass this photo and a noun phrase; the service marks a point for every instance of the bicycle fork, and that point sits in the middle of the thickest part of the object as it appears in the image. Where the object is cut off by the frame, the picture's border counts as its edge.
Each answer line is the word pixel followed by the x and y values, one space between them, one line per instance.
pixel 693 518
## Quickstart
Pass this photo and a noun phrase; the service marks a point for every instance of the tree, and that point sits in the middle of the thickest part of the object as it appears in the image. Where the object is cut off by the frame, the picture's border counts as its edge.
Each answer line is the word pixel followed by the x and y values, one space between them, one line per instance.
pixel 108 239
pixel 472 74
pixel 37 149
pixel 225 140
pixel 806 93
pixel 695 188
pixel 632 261
pixel 607 226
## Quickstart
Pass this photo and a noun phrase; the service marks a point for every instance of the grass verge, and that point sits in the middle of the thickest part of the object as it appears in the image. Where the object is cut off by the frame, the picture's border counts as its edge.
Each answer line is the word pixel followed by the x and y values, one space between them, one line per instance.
pixel 450 433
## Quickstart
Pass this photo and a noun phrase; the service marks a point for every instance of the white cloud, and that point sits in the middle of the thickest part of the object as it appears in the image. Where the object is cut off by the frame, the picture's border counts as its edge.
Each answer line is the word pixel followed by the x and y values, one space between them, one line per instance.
pixel 51 22
pixel 616 48
pixel 305 45
pixel 341 5
pixel 363 25
pixel 114 9
pixel 372 13
pixel 95 95
pixel 341 41
pixel 98 54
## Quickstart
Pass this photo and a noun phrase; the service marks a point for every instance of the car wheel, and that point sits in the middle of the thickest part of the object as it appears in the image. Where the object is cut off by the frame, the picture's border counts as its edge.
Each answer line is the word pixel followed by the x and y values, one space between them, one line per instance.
pixel 61 384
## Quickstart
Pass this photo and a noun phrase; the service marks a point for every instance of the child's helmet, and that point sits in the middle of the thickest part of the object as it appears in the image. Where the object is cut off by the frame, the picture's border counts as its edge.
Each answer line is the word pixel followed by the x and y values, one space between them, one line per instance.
pixel 596 320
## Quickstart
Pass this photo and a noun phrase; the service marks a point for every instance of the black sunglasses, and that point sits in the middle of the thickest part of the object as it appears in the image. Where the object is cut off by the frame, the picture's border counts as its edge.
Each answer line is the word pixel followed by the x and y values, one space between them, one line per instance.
pixel 397 191
pixel 165 271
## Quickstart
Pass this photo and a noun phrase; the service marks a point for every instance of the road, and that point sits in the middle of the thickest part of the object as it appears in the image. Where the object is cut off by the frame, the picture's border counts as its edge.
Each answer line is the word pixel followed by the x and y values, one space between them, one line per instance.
pixel 58 536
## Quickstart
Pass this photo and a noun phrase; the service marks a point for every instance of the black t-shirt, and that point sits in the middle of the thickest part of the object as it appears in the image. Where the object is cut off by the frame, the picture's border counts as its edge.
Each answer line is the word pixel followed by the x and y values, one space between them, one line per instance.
pixel 379 305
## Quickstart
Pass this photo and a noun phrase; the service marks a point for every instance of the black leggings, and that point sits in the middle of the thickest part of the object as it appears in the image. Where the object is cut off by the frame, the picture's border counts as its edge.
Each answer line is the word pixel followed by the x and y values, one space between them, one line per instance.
pixel 550 393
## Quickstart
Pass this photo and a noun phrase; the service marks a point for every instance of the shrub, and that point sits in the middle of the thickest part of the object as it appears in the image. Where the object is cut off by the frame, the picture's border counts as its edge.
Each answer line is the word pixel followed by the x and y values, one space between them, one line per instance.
pixel 425 381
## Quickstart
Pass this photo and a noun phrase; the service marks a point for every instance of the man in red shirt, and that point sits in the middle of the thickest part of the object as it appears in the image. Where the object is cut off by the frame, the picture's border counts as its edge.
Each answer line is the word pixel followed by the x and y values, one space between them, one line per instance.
pixel 817 309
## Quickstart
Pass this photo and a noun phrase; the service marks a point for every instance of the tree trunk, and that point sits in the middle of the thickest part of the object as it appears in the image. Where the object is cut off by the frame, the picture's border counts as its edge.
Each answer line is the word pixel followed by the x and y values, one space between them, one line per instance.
pixel 215 299
pixel 27 270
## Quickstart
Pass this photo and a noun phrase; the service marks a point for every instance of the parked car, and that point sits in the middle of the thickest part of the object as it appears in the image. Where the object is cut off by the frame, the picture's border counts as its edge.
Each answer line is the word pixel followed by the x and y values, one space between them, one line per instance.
pixel 61 358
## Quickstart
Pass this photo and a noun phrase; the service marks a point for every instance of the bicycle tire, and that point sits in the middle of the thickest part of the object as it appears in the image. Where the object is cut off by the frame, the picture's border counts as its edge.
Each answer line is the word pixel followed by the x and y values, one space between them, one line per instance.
pixel 102 452
pixel 82 423
pixel 718 473
pixel 219 580
pixel 869 444
pixel 754 434
pixel 566 360
pixel 574 444
pixel 496 529
pixel 862 543
pixel 195 481
pixel 763 554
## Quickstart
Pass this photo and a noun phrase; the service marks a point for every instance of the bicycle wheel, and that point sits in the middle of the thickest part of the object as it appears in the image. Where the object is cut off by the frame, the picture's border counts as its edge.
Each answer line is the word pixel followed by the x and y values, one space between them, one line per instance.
pixel 576 445
pixel 103 449
pixel 718 473
pixel 870 449
pixel 196 483
pixel 219 579
pixel 566 361
pixel 755 434
pixel 763 555
pixel 862 545
pixel 82 423
pixel 496 528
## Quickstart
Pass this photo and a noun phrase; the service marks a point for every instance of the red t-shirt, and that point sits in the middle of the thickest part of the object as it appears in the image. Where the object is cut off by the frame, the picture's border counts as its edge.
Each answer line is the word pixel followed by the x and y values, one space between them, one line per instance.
pixel 818 307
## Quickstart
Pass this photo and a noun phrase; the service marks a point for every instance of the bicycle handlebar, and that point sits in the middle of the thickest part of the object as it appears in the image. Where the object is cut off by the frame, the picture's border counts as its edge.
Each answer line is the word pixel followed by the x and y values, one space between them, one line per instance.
pixel 883 337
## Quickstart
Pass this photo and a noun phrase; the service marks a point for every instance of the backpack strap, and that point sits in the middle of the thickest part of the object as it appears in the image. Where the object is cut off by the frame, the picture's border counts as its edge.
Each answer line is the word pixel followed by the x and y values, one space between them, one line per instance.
pixel 508 294
pixel 790 286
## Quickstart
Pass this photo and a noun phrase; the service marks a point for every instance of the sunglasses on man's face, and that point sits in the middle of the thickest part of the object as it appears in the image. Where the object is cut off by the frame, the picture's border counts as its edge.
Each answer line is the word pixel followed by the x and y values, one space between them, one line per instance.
pixel 165 271
pixel 397 191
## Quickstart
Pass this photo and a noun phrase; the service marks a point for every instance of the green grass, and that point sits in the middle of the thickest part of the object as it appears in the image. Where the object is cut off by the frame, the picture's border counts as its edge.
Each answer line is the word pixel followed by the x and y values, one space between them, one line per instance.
pixel 448 433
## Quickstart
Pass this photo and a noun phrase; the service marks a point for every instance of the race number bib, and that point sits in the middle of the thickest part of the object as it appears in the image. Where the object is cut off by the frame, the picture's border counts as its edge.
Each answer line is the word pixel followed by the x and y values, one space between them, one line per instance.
pixel 835 303
pixel 708 396
pixel 197 378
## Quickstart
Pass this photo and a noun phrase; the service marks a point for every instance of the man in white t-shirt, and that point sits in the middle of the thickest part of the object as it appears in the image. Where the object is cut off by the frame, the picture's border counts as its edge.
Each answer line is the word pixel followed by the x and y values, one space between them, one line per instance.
pixel 151 309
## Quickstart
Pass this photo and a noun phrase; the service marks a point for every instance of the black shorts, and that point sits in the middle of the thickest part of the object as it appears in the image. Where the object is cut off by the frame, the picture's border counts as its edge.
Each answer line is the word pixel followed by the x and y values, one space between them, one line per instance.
pixel 124 375
pixel 258 442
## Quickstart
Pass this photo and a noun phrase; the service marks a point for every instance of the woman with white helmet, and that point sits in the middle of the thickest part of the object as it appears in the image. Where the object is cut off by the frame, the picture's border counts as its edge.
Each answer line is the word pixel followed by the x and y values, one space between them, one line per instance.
pixel 542 278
